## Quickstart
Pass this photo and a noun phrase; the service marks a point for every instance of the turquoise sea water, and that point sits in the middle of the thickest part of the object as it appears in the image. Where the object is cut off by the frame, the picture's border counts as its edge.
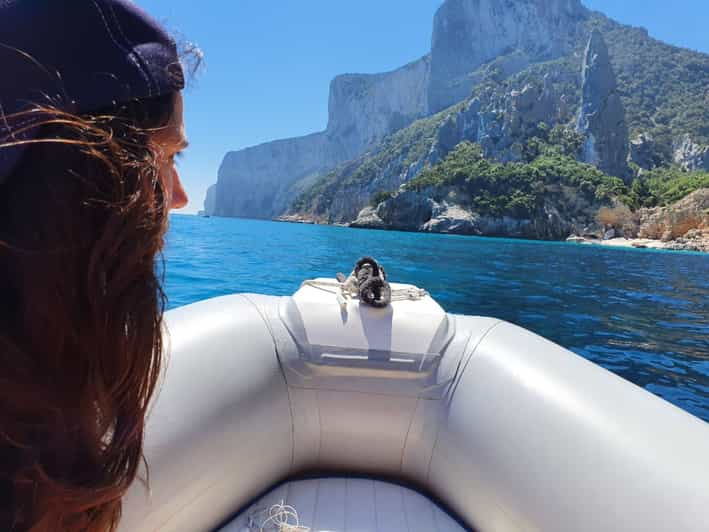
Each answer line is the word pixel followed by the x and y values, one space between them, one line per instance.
pixel 641 314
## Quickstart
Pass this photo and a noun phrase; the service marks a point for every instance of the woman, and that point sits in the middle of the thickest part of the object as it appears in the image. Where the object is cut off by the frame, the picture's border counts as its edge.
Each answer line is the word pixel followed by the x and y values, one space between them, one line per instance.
pixel 90 124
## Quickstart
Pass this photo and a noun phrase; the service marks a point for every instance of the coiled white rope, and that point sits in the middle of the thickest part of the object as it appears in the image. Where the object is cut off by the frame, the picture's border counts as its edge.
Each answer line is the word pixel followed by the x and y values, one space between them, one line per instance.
pixel 280 517
pixel 345 291
pixel 367 283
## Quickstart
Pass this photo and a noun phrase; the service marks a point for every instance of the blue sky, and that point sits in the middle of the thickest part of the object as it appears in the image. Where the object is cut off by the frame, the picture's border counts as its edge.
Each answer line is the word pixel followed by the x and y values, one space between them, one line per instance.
pixel 269 62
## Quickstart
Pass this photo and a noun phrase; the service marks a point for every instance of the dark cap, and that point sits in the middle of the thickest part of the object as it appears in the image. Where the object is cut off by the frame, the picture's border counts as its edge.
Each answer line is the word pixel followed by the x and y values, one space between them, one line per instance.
pixel 78 56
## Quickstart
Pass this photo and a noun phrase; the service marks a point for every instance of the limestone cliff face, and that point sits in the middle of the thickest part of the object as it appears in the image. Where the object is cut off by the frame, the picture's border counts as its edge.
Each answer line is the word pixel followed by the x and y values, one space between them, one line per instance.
pixel 469 33
pixel 210 201
pixel 499 120
pixel 259 182
pixel 255 182
pixel 365 107
pixel 489 79
pixel 602 116
pixel 690 155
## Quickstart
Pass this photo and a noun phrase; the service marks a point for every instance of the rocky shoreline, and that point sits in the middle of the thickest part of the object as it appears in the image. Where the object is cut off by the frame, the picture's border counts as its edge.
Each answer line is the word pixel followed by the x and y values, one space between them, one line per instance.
pixel 700 244
pixel 683 226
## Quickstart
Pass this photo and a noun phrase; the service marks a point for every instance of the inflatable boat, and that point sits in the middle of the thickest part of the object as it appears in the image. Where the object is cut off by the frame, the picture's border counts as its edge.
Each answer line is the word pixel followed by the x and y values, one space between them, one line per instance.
pixel 318 412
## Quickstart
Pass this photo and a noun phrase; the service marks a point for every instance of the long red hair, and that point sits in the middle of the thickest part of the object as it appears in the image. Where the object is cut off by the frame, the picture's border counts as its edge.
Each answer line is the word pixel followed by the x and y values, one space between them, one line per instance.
pixel 82 221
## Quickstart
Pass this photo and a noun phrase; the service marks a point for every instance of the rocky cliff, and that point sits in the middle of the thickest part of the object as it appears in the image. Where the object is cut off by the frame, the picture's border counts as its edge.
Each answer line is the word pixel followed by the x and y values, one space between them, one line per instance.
pixel 549 197
pixel 689 155
pixel 467 34
pixel 601 119
pixel 682 225
pixel 686 219
pixel 210 201
pixel 363 109
pixel 261 181
pixel 255 182
pixel 509 121
pixel 528 79
pixel 452 214
pixel 564 210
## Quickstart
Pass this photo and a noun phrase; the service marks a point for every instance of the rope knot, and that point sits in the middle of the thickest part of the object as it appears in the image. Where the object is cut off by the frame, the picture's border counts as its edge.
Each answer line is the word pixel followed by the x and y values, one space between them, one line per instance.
pixel 373 288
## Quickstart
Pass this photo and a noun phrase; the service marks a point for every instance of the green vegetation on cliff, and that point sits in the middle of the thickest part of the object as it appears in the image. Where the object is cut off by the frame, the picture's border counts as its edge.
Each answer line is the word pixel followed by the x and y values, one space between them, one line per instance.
pixel 393 156
pixel 518 189
pixel 663 186
pixel 513 189
pixel 380 196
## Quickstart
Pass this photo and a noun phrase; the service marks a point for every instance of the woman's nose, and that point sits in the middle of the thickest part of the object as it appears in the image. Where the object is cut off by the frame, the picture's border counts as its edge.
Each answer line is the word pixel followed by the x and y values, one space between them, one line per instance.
pixel 179 196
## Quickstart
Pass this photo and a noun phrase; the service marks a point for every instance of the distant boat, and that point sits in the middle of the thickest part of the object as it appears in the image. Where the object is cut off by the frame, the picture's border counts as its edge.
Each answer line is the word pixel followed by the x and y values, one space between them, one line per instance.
pixel 387 417
pixel 203 214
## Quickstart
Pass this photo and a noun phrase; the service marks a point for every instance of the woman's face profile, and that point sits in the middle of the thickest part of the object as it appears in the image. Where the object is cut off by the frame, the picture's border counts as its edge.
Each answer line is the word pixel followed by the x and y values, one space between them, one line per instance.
pixel 172 140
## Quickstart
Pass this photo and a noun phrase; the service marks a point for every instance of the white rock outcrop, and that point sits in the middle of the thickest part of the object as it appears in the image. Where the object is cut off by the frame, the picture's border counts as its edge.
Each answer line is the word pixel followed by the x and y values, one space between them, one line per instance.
pixel 690 155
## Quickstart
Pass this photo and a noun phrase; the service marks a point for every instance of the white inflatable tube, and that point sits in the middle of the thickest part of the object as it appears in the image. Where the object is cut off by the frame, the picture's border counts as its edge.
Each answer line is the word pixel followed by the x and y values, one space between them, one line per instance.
pixel 510 431
pixel 221 429
pixel 537 438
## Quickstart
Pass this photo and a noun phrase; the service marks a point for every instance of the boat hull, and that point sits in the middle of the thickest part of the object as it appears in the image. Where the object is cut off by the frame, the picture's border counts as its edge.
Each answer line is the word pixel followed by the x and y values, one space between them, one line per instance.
pixel 510 431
